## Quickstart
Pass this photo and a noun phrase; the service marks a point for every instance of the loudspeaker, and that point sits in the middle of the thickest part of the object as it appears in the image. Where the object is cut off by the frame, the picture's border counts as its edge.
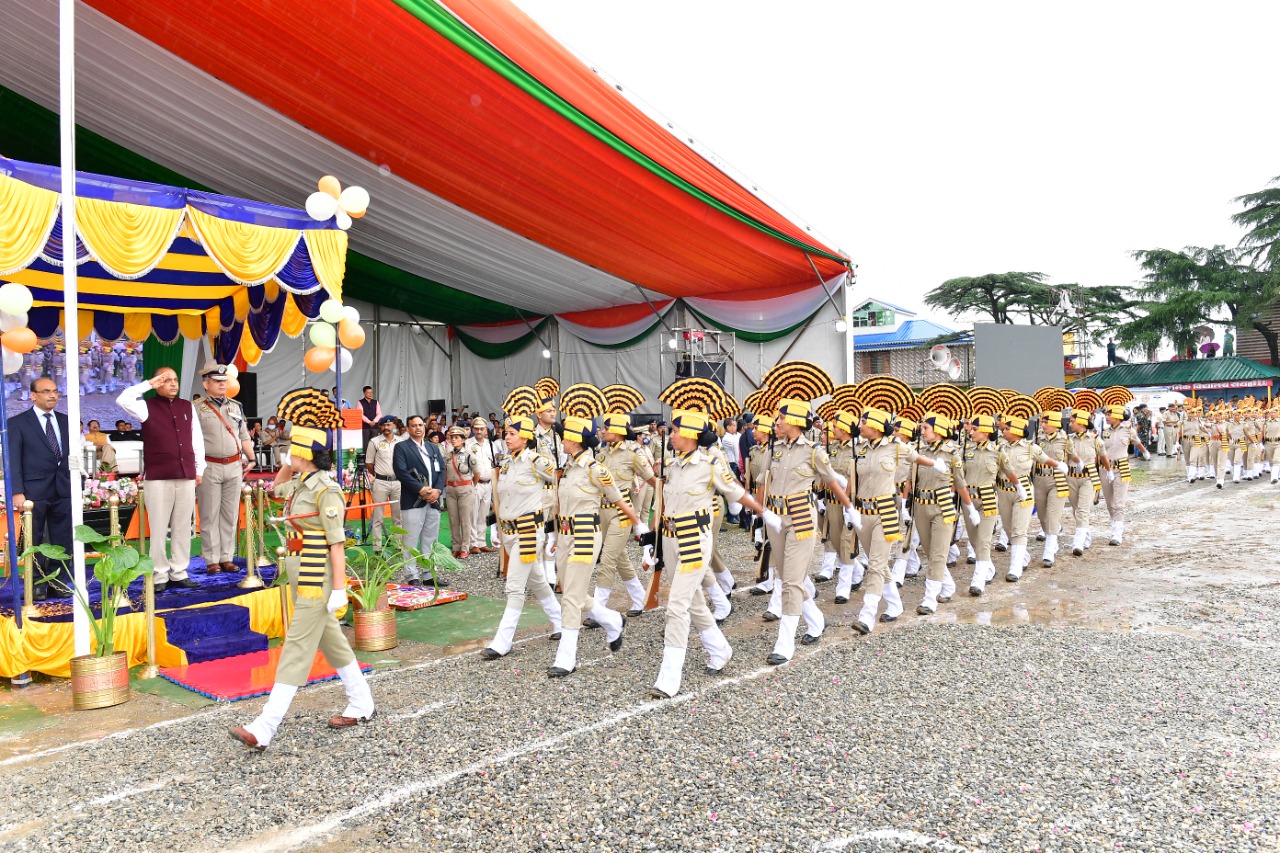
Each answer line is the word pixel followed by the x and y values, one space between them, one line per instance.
pixel 437 407
pixel 248 395
pixel 713 370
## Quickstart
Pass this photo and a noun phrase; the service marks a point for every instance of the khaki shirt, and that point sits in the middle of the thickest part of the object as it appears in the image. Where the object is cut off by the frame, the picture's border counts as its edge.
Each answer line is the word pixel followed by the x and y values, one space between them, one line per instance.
pixel 1086 447
pixel 981 461
pixel 217 438
pixel 521 481
pixel 1115 442
pixel 841 458
pixel 793 466
pixel 1054 446
pixel 876 469
pixel 1017 459
pixel 1272 432
pixel 933 479
pixel 315 492
pixel 757 456
pixel 906 450
pixel 691 481
pixel 379 453
pixel 626 462
pixel 586 484
pixel 459 465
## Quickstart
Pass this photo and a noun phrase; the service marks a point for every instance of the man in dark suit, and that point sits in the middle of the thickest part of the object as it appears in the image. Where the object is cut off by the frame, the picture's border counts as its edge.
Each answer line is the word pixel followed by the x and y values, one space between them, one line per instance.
pixel 419 466
pixel 39 445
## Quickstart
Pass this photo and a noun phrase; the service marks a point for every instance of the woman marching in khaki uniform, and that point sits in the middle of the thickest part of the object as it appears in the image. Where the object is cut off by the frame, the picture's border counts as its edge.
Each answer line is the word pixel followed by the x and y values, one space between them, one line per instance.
pixel 1050 484
pixel 875 500
pixel 586 484
pixel 1086 455
pixel 1015 497
pixel 692 477
pixel 981 462
pixel 625 461
pixel 939 476
pixel 316 566
pixel 521 480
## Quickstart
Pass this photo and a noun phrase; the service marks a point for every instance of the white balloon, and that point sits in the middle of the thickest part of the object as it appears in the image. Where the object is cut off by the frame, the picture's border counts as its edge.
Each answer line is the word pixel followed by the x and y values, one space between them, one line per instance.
pixel 321 206
pixel 331 311
pixel 344 355
pixel 233 371
pixel 15 298
pixel 354 200
pixel 11 361
pixel 350 312
pixel 322 335
pixel 9 322
pixel 344 221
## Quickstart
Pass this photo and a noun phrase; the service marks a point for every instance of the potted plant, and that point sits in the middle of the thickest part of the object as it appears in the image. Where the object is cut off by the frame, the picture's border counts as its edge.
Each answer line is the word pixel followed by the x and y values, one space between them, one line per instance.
pixel 101 679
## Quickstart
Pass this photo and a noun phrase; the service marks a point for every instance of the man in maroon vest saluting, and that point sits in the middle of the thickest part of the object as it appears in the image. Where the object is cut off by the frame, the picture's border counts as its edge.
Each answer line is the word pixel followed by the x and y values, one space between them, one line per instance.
pixel 172 463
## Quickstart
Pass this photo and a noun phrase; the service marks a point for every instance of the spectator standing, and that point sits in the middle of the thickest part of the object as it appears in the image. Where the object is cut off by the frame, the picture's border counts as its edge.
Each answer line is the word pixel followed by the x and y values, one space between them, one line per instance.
pixel 370 414
pixel 488 457
pixel 386 487
pixel 39 446
pixel 419 466
pixel 729 443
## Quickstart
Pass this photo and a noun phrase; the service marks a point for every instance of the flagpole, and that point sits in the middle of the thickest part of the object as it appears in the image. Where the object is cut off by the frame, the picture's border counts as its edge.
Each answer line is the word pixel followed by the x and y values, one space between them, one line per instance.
pixel 70 300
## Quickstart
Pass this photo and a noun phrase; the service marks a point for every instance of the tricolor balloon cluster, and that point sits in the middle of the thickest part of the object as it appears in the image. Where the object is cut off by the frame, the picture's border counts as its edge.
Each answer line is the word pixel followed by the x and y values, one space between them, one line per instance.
pixel 15 338
pixel 331 201
pixel 325 352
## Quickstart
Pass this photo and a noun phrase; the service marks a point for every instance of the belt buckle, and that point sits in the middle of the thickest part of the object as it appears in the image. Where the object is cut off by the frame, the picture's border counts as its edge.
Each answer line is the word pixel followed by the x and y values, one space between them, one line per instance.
pixel 293 544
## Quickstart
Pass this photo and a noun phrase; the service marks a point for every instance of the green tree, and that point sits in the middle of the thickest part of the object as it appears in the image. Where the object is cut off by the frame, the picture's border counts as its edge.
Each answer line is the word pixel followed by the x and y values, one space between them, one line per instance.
pixel 1261 221
pixel 994 295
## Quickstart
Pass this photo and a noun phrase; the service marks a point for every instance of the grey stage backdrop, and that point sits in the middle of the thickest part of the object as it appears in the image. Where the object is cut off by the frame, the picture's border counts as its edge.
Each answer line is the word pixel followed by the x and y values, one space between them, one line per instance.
pixel 1025 358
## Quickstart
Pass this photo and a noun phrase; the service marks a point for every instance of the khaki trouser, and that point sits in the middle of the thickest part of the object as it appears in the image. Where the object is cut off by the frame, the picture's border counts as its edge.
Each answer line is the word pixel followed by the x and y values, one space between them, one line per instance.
pixel 791 558
pixel 1170 436
pixel 1198 457
pixel 717 561
pixel 615 565
pixel 462 509
pixel 385 490
pixel 575 580
pixel 685 601
pixel 935 539
pixel 522 576
pixel 312 628
pixel 839 538
pixel 1116 494
pixel 1081 495
pixel 220 510
pixel 871 539
pixel 1272 453
pixel 1217 459
pixel 479 519
pixel 644 503
pixel 1015 517
pixel 170 506
pixel 1048 504
pixel 980 536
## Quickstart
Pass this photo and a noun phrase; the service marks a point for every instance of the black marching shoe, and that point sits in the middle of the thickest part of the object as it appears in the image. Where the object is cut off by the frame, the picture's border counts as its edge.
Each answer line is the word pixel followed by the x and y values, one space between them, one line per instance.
pixel 885 617
pixel 842 599
pixel 861 628
pixel 557 672
pixel 973 561
pixel 720 621
pixel 944 599
pixel 616 643
pixel 809 639
pixel 1000 547
pixel 185 583
pixel 555 635
pixel 634 612
pixel 775 659
pixel 755 590
pixel 974 591
pixel 490 654
pixel 39 592
pixel 769 616
pixel 588 622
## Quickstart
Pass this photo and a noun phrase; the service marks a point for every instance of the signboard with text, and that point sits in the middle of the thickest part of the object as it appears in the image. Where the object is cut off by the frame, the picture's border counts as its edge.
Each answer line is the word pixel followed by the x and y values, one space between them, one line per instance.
pixel 1222 386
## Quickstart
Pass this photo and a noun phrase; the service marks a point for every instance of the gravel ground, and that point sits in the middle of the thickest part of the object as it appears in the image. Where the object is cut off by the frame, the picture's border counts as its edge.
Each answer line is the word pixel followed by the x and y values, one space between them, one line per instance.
pixel 1125 700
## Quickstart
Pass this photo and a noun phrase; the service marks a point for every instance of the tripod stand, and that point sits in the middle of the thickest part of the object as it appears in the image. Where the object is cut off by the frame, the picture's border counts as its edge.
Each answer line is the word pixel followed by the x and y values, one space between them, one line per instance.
pixel 354 491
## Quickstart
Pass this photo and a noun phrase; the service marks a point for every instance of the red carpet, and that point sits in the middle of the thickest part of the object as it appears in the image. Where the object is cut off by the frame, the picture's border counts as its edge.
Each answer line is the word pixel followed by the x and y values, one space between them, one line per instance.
pixel 243 676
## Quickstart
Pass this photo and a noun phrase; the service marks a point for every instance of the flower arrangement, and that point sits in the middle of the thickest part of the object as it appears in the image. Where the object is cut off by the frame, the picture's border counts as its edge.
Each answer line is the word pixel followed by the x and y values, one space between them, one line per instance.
pixel 97 493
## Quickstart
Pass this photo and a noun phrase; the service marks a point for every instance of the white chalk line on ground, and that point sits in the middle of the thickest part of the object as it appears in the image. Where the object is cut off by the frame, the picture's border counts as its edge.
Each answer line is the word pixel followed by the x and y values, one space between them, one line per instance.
pixel 904 836
pixel 421 712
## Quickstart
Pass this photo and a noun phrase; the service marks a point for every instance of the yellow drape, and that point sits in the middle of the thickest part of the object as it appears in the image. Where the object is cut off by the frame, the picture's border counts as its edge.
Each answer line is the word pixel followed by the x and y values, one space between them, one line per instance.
pixel 328 250
pixel 293 321
pixel 27 215
pixel 137 326
pixel 190 326
pixel 128 240
pixel 249 254
pixel 240 302
pixel 249 348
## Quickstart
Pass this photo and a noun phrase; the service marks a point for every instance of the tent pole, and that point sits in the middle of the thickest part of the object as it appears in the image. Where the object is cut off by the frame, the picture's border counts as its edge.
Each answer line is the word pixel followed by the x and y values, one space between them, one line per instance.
pixel 71 324
pixel 823 285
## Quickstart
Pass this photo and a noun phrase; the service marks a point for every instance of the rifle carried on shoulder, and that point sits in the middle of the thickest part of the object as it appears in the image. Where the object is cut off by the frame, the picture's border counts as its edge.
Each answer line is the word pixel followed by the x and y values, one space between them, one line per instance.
pixel 654 536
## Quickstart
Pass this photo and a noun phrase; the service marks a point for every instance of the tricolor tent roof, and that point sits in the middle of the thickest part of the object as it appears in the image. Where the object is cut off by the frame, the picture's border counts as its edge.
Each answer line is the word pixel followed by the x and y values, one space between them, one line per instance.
pixel 507 178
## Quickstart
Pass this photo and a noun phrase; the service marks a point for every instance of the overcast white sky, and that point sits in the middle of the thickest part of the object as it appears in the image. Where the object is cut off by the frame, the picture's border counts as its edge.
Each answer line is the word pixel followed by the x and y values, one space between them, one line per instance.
pixel 935 140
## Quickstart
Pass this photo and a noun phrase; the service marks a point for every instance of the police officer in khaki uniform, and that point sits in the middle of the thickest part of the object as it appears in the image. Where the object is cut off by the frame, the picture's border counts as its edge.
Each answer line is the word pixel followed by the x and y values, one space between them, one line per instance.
pixel 228 452
pixel 792 468
pixel 520 480
pixel 1271 442
pixel 841 541
pixel 1170 423
pixel 318 581
pixel 1014 496
pixel 981 462
pixel 1116 440
pixel 584 487
pixel 386 486
pixel 692 477
pixel 875 498
pixel 938 476
pixel 546 443
pixel 626 462
pixel 1049 484
pixel 460 490
pixel 1086 456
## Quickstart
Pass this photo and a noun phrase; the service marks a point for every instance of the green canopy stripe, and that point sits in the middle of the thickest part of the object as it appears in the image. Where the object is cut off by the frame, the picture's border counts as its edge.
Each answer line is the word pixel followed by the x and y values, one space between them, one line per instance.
pixel 755 337
pixel 490 350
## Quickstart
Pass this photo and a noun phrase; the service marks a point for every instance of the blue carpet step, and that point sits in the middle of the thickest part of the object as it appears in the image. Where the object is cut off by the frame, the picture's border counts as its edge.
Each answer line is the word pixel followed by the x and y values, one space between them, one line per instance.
pixel 223 646
pixel 198 623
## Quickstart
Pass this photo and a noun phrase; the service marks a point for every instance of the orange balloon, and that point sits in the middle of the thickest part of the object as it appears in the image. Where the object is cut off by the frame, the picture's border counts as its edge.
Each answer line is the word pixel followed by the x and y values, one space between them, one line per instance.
pixel 23 340
pixel 318 358
pixel 351 334
pixel 329 184
pixel 233 387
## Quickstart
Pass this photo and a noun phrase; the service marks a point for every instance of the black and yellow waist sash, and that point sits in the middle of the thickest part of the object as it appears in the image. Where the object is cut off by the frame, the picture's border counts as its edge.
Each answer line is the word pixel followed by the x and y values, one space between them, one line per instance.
pixel 1123 468
pixel 686 529
pixel 525 528
pixel 582 527
pixel 1007 485
pixel 944 499
pixel 1059 479
pixel 313 560
pixel 986 497
pixel 799 507
pixel 885 506
pixel 622 519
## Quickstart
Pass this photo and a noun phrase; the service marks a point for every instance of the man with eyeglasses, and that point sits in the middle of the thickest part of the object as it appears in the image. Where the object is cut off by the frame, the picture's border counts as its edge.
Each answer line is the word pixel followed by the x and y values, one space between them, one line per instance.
pixel 39 446
pixel 173 465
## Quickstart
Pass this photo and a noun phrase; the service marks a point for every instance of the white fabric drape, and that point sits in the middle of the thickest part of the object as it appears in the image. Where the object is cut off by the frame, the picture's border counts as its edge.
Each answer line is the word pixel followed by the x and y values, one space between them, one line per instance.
pixel 614 335
pixel 485 383
pixel 768 315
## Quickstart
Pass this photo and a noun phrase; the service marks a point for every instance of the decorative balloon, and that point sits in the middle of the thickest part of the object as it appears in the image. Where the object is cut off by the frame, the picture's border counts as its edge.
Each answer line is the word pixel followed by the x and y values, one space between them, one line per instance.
pixel 20 340
pixel 345 359
pixel 233 372
pixel 233 387
pixel 318 358
pixel 333 202
pixel 10 361
pixel 15 298
pixel 350 312
pixel 322 335
pixel 351 334
pixel 331 310
pixel 9 322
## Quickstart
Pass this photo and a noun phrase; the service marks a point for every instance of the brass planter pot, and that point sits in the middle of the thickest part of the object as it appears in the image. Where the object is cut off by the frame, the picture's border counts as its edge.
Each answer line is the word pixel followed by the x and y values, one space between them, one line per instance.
pixel 99 682
pixel 375 630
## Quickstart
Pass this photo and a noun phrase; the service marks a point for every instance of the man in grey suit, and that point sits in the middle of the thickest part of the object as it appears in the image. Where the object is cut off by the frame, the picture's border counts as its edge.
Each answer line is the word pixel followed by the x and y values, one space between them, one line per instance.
pixel 419 466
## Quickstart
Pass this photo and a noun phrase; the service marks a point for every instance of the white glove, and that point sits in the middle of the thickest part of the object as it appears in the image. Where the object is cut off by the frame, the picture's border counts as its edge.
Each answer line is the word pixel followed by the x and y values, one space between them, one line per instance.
pixel 822 507
pixel 1146 454
pixel 641 528
pixel 1021 492
pixel 772 520
pixel 842 480
pixel 852 518
pixel 1177 448
pixel 940 465
pixel 975 517
pixel 647 560
pixel 757 535
pixel 1059 464
pixel 906 516
pixel 551 543
pixel 337 600
pixel 1111 475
